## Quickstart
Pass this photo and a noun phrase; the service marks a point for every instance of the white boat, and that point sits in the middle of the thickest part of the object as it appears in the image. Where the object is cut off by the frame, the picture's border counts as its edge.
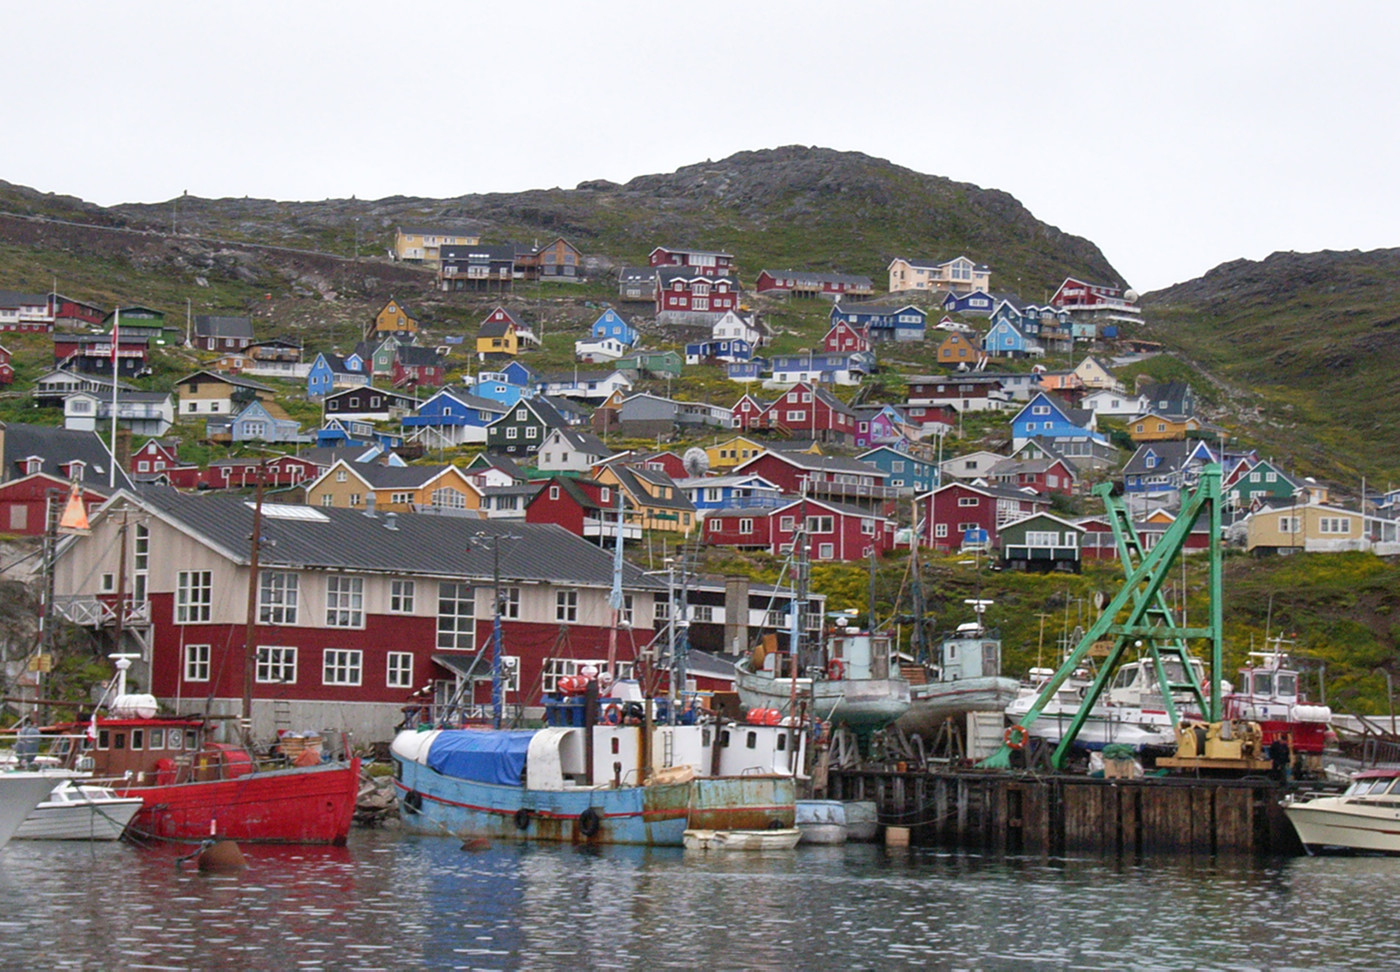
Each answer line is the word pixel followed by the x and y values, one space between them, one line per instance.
pixel 849 680
pixel 20 793
pixel 1269 695
pixel 821 821
pixel 1364 818
pixel 966 679
pixel 76 810
pixel 1130 712
pixel 742 840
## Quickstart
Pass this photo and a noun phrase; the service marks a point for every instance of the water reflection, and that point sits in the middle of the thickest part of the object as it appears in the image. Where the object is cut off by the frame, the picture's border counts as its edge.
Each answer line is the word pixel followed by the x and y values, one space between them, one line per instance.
pixel 390 902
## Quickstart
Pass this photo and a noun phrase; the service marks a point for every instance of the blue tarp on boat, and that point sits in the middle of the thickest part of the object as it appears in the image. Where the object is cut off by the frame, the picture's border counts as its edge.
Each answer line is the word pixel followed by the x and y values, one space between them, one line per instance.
pixel 482 756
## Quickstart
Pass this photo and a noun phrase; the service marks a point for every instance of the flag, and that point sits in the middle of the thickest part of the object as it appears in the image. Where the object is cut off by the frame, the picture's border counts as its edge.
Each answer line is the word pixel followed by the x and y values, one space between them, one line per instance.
pixel 116 339
pixel 92 726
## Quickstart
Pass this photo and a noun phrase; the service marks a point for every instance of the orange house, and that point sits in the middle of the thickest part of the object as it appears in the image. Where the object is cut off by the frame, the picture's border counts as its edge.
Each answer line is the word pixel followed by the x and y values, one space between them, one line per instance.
pixel 956 349
pixel 1158 428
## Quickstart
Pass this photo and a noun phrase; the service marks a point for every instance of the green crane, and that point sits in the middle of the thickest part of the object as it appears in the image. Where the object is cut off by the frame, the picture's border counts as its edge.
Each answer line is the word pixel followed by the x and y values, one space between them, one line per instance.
pixel 1138 616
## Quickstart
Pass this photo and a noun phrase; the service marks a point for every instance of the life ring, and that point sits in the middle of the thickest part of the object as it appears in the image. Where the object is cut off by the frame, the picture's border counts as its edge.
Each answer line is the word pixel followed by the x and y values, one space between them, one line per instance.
pixel 835 670
pixel 522 819
pixel 612 715
pixel 589 822
pixel 1016 737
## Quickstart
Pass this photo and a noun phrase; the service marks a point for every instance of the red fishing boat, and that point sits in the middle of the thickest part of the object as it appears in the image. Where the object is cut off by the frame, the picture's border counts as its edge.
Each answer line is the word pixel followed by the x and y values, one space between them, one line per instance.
pixel 194 787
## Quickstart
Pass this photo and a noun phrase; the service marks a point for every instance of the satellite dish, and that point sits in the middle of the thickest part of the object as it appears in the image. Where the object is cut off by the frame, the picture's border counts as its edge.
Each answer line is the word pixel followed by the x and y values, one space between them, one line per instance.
pixel 1130 296
pixel 697 461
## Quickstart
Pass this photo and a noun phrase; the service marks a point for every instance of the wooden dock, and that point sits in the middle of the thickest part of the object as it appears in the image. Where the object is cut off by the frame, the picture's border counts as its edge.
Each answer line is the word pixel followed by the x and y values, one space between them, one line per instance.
pixel 1058 814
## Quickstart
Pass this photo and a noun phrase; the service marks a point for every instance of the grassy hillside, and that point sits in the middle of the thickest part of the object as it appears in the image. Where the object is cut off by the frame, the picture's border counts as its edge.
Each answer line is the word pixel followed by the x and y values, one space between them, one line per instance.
pixel 1305 347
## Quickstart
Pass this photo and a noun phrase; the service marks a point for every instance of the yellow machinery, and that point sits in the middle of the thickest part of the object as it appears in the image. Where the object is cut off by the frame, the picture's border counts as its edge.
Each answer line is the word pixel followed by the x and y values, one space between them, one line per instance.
pixel 1233 744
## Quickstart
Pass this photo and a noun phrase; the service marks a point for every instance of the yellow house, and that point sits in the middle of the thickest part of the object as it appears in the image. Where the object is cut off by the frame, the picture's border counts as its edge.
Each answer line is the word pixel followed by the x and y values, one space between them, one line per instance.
pixel 1094 374
pixel 499 334
pixel 212 393
pixel 424 245
pixel 958 275
pixel 657 502
pixel 394 318
pixel 393 489
pixel 956 349
pixel 1284 529
pixel 1158 428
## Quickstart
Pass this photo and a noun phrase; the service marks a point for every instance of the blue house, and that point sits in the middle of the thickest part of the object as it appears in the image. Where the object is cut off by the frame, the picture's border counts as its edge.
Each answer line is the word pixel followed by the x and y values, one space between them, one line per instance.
pixel 452 417
pixel 884 322
pixel 729 349
pixel 520 374
pixel 1047 416
pixel 259 422
pixel 348 432
pixel 976 302
pixel 330 372
pixel 751 370
pixel 831 367
pixel 723 492
pixel 497 387
pixel 1007 340
pixel 611 324
pixel 910 475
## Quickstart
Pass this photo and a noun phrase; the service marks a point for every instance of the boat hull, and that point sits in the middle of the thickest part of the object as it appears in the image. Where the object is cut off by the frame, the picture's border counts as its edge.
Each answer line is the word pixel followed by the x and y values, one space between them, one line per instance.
pixel 1335 823
pixel 742 840
pixel 1138 732
pixel 301 805
pixel 867 703
pixel 20 793
pixel 932 704
pixel 81 814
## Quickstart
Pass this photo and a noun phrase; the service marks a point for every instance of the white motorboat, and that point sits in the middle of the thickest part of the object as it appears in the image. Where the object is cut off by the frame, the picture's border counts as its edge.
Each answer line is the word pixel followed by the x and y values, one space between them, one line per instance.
pixel 1130 712
pixel 1366 817
pixel 822 821
pixel 742 840
pixel 966 679
pixel 76 810
pixel 20 793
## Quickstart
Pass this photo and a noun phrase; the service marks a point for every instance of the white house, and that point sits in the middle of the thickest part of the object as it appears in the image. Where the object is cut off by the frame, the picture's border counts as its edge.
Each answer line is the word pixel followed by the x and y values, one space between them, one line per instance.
pixel 731 327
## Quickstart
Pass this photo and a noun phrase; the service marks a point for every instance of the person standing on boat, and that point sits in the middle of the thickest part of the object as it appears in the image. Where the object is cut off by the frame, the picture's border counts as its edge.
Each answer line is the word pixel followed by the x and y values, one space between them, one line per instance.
pixel 27 743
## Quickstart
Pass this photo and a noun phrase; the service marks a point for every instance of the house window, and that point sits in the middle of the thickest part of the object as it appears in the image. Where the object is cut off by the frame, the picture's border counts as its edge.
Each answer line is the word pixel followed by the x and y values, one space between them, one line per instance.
pixel 940 530
pixel 1288 524
pixel 554 492
pixel 820 524
pixel 510 602
pixel 401 498
pixel 196 663
pixel 566 606
pixel 520 414
pixel 401 596
pixel 969 501
pixel 456 621
pixel 194 595
pixel 897 465
pixel 1042 538
pixel 1334 524
pixel 787 524
pixel 1040 410
pixel 345 601
pixel 327 499
pixel 445 497
pixel 109 582
pixel 746 526
pixel 399 669
pixel 341 476
pixel 341 666
pixel 826 551
pixel 511 432
pixel 867 526
pixel 1271 477
pixel 277 597
pixel 278 665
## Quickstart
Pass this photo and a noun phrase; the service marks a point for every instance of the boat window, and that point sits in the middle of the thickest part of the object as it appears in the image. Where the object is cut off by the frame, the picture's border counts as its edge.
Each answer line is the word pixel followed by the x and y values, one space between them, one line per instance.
pixel 118 740
pixel 724 739
pixel 1372 786
pixel 1287 684
pixel 1263 683
pixel 1125 677
pixel 191 739
pixel 705 736
pixel 1395 785
pixel 753 740
pixel 616 748
pixel 103 739
pixel 782 743
pixel 174 739
pixel 157 738
pixel 138 739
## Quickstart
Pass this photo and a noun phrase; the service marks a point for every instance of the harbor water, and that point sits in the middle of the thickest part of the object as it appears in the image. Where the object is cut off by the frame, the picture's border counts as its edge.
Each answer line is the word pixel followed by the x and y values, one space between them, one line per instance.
pixel 393 902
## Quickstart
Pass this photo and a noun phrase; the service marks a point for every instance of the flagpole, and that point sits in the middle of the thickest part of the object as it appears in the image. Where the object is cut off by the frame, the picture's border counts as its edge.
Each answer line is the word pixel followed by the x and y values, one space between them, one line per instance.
pixel 116 340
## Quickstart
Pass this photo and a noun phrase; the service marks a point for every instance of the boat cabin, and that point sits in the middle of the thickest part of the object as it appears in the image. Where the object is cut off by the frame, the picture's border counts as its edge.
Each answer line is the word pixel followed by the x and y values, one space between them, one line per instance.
pixel 856 654
pixel 1136 682
pixel 970 652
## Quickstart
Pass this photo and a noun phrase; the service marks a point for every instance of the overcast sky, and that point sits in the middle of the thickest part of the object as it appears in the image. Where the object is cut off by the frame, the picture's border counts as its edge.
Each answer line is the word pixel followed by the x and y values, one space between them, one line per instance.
pixel 1174 135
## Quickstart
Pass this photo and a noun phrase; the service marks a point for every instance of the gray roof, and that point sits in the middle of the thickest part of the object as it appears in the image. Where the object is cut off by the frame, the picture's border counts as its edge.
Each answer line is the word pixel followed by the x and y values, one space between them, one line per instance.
pixel 15 298
pixel 504 464
pixel 585 442
pixel 410 355
pixel 380 476
pixel 881 309
pixel 1171 455
pixel 212 325
pixel 667 274
pixel 808 460
pixel 338 539
pixel 56 446
pixel 809 276
pixel 632 478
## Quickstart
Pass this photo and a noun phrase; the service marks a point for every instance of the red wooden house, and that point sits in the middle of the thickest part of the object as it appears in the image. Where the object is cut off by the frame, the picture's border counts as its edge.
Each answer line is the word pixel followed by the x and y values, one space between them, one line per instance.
pixel 155 458
pixel 1097 542
pixel 666 461
pixel 584 507
pixel 804 283
pixel 25 502
pixel 71 312
pixel 748 412
pixel 844 336
pixel 949 512
pixel 415 366
pixel 835 531
pixel 812 411
pixel 683 291
pixel 838 478
pixel 1045 475
pixel 705 262
pixel 944 415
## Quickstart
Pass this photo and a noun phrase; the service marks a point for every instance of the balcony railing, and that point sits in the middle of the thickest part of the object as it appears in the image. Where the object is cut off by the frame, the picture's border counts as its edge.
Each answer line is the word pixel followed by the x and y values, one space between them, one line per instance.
pixel 96 612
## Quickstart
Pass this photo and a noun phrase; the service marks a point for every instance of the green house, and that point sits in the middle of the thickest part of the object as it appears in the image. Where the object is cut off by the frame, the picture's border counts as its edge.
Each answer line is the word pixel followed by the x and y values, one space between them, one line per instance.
pixel 1040 543
pixel 1263 481
pixel 656 364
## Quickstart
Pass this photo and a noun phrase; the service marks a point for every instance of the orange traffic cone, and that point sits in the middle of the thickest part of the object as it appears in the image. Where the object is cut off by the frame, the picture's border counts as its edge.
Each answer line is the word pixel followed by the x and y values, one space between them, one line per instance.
pixel 74 519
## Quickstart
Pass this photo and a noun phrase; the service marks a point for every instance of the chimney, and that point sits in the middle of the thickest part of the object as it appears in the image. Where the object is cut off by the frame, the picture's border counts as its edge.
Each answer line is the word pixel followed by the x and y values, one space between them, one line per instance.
pixel 123 449
pixel 391 520
pixel 369 503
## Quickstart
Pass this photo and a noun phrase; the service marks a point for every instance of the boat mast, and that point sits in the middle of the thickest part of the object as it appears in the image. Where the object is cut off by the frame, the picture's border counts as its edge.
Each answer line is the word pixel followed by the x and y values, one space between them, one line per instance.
pixel 250 631
pixel 615 596
pixel 916 593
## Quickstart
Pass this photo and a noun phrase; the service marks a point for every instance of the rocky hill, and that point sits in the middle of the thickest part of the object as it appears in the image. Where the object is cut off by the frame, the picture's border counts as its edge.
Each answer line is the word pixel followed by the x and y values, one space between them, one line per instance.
pixel 789 207
pixel 1305 347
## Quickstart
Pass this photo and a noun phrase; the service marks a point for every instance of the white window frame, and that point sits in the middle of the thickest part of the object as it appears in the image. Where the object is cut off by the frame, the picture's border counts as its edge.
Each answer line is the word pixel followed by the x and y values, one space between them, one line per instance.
pixel 194 596
pixel 345 601
pixel 277 664
pixel 456 628
pixel 197 666
pixel 403 595
pixel 278 594
pixel 342 666
pixel 398 669
pixel 566 605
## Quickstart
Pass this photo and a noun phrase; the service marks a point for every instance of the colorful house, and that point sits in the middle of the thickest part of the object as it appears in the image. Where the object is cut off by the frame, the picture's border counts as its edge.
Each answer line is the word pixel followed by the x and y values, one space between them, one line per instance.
pixel 416 367
pixel 957 511
pixel 330 372
pixel 905 472
pixel 957 350
pixel 837 478
pixel 686 296
pixel 423 244
pixel 805 283
pixel 1040 543
pixel 452 417
pixel 843 336
pixel 499 334
pixel 884 322
pixel 1046 416
pixel 710 263
pixel 585 507
pixel 972 302
pixel 1153 427
pixel 739 449
pixel 611 324
pixel 393 318
pixel 958 274
pixel 811 411
pixel 710 493
pixel 1006 339
pixel 835 532
pixel 378 488
pixel 657 502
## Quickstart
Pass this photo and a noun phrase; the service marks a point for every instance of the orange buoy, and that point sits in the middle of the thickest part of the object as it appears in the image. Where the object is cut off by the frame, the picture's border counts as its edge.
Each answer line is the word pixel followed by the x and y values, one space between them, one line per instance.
pixel 221 855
